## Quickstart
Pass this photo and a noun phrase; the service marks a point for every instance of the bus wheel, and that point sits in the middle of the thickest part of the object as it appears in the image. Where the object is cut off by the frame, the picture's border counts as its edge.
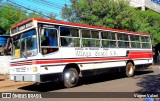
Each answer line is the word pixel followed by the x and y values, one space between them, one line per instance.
pixel 129 69
pixel 70 77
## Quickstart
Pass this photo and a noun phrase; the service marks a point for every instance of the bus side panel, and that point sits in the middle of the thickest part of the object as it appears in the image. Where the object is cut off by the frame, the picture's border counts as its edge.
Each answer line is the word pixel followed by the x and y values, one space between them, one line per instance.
pixel 51 72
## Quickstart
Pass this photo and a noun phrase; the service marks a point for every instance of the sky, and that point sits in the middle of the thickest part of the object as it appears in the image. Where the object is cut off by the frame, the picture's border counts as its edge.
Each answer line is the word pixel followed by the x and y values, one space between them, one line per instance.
pixel 156 1
pixel 45 6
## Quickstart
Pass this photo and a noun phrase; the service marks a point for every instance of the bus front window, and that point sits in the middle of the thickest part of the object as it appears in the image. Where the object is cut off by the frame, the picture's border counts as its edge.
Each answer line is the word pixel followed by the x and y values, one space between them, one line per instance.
pixel 25 45
pixel 16 46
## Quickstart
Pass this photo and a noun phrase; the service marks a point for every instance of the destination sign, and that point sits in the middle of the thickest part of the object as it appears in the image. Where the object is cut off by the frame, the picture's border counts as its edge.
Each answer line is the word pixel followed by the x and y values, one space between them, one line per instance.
pixel 22 27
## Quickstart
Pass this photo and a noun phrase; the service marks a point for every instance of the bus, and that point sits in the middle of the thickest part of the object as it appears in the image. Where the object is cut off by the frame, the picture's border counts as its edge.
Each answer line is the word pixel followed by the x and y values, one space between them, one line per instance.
pixel 50 50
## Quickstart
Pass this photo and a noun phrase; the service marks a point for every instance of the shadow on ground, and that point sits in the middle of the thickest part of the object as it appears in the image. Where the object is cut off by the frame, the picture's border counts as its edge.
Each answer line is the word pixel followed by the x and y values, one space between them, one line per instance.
pixel 1 79
pixel 149 83
pixel 45 87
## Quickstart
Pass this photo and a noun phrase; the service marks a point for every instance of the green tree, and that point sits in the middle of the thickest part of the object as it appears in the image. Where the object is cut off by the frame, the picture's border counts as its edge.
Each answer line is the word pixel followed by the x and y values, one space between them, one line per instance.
pixel 113 14
pixel 9 16
pixel 107 13
pixel 34 15
pixel 149 23
pixel 51 16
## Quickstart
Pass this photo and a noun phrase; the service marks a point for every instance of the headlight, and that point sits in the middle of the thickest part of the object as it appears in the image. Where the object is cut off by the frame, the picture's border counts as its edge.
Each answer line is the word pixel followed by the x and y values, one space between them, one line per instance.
pixel 34 69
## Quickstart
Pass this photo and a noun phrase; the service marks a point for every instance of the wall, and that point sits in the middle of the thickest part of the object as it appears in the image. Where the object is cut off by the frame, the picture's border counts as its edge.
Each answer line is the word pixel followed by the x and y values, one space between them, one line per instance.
pixel 152 5
pixel 4 64
pixel 145 4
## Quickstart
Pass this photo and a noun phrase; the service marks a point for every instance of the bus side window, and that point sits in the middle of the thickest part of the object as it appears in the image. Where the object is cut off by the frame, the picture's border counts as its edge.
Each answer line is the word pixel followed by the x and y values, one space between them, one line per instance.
pixel 49 38
pixel 63 41
pixel 49 41
pixel 64 32
pixel 145 41
pixel 52 37
pixel 69 37
pixel 45 41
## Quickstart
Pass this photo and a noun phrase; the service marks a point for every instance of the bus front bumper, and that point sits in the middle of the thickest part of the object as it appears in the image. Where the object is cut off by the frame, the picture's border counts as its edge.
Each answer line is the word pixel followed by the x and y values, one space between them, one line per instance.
pixel 30 77
pixel 36 77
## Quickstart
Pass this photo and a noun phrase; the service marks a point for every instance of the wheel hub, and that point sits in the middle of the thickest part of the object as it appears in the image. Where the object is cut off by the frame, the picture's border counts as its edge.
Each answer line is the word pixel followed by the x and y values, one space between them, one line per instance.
pixel 70 77
pixel 130 69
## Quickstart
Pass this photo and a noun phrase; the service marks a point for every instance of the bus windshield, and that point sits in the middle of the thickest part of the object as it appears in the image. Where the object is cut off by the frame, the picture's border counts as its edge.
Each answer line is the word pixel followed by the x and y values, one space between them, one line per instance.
pixel 25 44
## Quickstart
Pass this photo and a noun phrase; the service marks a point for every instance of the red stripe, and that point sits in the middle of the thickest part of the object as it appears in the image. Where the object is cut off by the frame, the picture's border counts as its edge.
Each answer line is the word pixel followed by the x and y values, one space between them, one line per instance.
pixel 132 55
pixel 140 55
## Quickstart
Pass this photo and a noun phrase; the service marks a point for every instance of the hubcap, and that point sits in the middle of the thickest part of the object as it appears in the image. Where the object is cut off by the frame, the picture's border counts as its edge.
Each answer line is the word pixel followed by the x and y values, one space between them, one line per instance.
pixel 70 77
pixel 130 69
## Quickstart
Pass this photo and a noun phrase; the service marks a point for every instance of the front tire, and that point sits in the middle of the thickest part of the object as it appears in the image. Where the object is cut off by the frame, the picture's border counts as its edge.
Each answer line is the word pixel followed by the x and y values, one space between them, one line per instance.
pixel 129 69
pixel 70 77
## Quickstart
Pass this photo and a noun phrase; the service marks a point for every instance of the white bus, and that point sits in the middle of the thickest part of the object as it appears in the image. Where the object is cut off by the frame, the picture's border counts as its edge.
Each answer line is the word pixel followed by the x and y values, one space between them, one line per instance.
pixel 50 50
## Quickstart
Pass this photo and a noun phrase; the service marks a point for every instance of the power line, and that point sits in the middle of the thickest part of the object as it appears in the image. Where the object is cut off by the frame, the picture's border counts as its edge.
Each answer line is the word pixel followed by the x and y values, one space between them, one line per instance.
pixel 35 9
pixel 65 2
pixel 15 4
pixel 47 3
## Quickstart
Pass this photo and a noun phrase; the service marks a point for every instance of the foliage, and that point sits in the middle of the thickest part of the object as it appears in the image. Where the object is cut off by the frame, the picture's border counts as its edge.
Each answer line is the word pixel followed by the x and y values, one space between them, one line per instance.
pixel 11 15
pixel 113 14
pixel 149 22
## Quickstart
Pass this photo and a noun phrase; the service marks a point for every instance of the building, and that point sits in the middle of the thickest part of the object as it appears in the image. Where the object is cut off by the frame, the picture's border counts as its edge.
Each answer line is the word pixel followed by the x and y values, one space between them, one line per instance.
pixel 146 4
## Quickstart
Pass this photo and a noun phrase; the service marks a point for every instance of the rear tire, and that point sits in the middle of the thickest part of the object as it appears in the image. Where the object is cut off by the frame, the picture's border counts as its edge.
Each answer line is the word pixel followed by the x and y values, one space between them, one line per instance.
pixel 130 69
pixel 70 77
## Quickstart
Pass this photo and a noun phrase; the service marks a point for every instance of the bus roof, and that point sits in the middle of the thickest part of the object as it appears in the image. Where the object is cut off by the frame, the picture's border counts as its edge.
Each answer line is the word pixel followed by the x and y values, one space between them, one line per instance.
pixel 77 25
